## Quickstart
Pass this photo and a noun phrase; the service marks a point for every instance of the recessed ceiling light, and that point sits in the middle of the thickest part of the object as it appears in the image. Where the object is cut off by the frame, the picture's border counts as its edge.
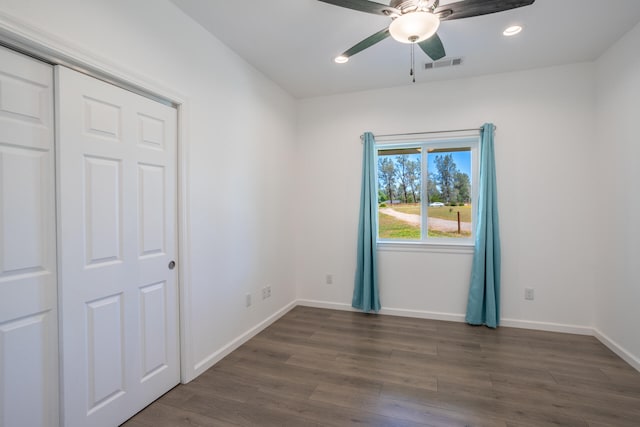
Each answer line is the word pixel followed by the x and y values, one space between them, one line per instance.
pixel 512 31
pixel 341 59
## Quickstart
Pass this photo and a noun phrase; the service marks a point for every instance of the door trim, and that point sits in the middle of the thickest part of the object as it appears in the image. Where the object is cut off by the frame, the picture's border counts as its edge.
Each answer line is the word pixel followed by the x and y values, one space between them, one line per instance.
pixel 27 39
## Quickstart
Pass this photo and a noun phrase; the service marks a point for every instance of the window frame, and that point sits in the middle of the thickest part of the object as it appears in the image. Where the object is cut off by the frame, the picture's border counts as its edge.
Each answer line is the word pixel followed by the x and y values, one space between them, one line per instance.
pixel 454 244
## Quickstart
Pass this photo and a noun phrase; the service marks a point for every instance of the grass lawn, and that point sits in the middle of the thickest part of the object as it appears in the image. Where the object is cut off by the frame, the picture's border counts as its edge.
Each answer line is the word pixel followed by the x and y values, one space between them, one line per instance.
pixel 438 233
pixel 393 228
pixel 444 212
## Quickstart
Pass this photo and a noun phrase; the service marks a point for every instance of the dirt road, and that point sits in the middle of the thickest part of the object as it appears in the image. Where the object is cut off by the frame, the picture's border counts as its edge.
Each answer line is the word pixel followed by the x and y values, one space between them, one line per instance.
pixel 434 223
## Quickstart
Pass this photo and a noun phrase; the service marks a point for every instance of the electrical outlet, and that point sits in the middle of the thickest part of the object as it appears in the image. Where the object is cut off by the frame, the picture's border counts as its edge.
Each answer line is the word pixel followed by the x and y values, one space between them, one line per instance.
pixel 329 279
pixel 528 294
pixel 248 300
pixel 264 293
pixel 268 288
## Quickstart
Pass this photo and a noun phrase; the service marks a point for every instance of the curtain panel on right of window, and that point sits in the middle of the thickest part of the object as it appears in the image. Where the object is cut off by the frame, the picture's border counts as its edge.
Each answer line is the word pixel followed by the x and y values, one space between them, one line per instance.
pixel 483 305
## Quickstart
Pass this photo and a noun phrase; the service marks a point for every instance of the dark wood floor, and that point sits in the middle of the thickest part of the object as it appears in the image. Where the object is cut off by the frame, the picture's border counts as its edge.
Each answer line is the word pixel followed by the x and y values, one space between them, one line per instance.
pixel 325 367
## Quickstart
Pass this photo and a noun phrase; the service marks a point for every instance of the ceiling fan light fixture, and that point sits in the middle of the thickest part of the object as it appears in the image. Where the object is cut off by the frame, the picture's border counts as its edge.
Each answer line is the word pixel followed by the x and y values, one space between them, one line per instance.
pixel 512 31
pixel 341 59
pixel 414 27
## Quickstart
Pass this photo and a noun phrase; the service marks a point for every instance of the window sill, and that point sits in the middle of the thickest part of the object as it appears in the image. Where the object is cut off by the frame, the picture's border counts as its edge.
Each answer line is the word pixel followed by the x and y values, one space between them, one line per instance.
pixel 446 248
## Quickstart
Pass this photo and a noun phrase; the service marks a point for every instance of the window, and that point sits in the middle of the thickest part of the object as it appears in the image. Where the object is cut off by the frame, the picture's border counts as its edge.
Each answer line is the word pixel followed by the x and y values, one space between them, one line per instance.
pixel 427 182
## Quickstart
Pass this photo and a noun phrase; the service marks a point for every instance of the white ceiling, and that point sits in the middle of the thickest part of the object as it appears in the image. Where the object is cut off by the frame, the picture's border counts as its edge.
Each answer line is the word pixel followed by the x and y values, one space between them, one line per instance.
pixel 294 42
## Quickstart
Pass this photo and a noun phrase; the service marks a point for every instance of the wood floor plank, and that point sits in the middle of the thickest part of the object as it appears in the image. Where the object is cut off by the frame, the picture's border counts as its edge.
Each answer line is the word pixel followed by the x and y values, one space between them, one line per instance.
pixel 363 371
pixel 164 415
pixel 316 367
pixel 419 412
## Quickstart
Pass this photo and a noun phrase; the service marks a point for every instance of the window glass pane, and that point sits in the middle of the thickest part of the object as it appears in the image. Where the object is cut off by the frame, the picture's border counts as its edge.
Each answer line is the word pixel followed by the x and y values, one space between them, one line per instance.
pixel 399 193
pixel 449 192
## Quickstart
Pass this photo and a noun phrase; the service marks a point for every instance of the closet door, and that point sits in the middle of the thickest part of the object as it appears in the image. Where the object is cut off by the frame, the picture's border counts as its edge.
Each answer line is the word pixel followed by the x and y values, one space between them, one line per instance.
pixel 28 315
pixel 118 293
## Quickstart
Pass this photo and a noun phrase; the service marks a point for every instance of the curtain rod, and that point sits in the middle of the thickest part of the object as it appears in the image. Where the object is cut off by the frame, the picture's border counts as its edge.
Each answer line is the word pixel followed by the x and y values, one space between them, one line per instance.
pixel 425 133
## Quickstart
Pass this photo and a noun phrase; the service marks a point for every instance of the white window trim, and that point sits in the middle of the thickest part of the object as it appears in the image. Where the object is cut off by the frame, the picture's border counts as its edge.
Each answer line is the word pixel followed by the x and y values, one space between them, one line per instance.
pixel 420 246
pixel 426 244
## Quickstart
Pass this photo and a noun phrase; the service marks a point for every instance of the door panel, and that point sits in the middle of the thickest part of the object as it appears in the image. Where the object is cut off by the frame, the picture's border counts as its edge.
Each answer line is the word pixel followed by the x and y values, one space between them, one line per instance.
pixel 119 335
pixel 105 350
pixel 154 328
pixel 28 299
pixel 102 209
pixel 151 224
pixel 24 373
pixel 21 171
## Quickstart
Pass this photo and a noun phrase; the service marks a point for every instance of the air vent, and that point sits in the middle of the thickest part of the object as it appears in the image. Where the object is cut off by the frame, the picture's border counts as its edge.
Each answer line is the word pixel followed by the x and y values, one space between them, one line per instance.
pixel 443 63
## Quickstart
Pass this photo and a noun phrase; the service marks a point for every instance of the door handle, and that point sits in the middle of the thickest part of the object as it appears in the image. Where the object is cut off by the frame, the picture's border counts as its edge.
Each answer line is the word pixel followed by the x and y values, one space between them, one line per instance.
pixel 172 265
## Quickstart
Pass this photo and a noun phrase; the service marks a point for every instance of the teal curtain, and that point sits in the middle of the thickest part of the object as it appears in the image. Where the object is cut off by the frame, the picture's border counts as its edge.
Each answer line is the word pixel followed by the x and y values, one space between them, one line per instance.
pixel 365 291
pixel 483 306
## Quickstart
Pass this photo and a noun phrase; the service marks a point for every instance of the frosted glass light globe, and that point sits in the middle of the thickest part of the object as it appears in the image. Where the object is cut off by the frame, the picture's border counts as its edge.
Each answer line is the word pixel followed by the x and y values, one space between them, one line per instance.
pixel 414 27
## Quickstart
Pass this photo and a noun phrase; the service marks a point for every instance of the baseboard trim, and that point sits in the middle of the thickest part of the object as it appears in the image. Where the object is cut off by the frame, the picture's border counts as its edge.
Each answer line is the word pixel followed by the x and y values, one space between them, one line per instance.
pixel 420 314
pixel 617 349
pixel 547 326
pixel 454 317
pixel 325 304
pixel 217 356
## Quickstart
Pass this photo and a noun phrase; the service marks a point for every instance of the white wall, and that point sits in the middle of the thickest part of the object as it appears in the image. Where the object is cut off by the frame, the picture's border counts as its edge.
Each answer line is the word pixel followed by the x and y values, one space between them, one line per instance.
pixel 241 142
pixel 544 144
pixel 618 171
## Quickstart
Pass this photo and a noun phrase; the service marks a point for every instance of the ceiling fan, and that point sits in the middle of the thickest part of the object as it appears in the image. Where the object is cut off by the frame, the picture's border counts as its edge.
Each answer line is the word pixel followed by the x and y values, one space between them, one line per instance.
pixel 417 21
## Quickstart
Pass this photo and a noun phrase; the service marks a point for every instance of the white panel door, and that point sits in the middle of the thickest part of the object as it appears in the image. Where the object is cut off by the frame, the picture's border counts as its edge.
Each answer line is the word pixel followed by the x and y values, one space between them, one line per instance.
pixel 28 301
pixel 117 202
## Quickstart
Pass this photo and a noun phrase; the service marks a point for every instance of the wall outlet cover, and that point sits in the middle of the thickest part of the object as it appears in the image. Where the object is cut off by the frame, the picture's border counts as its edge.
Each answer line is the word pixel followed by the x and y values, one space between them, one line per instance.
pixel 529 294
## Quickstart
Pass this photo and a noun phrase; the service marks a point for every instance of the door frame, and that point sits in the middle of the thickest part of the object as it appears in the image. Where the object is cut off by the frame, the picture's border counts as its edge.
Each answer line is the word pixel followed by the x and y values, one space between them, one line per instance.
pixel 34 42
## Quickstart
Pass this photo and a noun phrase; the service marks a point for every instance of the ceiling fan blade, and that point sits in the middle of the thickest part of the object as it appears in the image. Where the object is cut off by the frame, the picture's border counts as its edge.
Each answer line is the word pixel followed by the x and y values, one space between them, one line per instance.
pixel 364 6
pixel 368 42
pixel 433 47
pixel 469 8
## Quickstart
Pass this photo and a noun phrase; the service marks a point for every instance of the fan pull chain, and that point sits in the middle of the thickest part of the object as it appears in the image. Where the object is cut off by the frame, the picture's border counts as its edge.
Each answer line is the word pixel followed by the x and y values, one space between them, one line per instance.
pixel 413 62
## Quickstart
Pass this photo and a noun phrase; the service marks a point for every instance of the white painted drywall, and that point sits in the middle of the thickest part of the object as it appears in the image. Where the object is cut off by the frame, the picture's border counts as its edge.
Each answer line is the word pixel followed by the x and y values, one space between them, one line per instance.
pixel 617 198
pixel 241 142
pixel 544 144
